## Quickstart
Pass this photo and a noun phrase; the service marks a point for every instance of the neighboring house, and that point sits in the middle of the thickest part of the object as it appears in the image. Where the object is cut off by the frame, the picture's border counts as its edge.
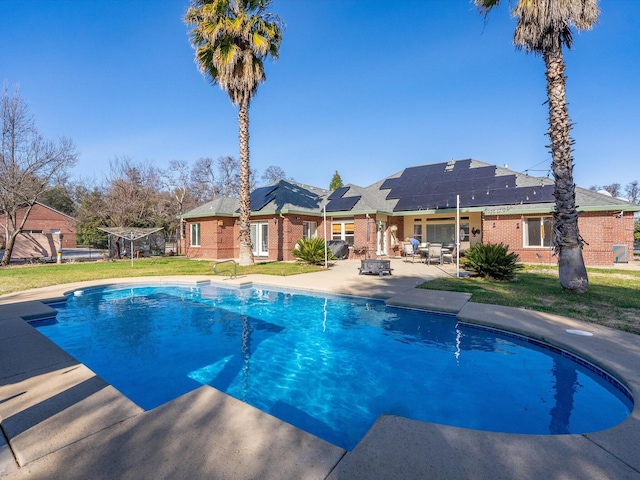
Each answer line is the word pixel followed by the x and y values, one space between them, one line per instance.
pixel 496 205
pixel 46 221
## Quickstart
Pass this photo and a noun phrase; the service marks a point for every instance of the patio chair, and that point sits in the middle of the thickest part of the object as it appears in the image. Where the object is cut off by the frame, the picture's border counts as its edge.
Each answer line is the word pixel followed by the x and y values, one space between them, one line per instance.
pixel 407 248
pixel 449 255
pixel 434 253
pixel 361 252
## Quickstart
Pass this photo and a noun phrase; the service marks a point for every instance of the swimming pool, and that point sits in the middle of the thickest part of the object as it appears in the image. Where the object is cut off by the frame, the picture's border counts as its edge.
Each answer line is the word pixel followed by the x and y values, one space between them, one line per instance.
pixel 330 364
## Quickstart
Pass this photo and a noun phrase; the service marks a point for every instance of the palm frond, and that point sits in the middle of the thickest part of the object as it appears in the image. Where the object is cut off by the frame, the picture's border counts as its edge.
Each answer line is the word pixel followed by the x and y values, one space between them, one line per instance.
pixel 234 36
pixel 547 24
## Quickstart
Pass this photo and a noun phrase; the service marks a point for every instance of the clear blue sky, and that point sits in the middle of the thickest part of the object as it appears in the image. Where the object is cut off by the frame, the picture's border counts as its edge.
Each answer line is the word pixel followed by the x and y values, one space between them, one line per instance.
pixel 365 87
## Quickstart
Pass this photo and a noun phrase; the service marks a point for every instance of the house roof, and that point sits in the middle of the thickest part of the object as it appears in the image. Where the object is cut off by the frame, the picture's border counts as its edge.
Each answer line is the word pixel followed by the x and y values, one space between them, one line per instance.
pixel 221 206
pixel 421 189
pixel 283 196
pixel 58 212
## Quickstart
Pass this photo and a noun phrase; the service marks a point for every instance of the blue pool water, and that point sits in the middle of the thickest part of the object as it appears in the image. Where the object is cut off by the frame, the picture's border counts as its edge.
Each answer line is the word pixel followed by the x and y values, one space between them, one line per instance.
pixel 329 364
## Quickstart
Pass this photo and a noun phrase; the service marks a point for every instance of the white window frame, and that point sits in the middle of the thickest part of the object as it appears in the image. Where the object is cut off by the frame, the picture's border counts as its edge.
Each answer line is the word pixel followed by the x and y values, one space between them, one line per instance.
pixel 194 234
pixel 342 234
pixel 545 224
pixel 309 229
pixel 260 238
pixel 417 231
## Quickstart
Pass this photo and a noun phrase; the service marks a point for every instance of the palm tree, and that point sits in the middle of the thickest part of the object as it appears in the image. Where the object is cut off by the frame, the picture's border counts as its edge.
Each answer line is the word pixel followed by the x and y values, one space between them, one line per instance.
pixel 544 27
pixel 231 39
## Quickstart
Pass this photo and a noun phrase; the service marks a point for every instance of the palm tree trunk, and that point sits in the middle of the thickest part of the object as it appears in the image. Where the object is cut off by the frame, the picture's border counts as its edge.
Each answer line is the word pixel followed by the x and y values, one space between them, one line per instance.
pixel 568 242
pixel 246 251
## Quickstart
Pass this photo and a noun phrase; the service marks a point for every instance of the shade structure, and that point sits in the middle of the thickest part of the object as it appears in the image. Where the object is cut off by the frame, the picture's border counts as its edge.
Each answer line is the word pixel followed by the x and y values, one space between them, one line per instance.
pixel 130 233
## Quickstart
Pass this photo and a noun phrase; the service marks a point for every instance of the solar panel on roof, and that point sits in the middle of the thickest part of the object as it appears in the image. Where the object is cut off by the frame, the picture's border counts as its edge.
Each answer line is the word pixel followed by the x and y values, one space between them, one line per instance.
pixel 507 181
pixel 483 172
pixel 261 197
pixel 547 194
pixel 505 196
pixel 465 199
pixel 461 165
pixel 480 184
pixel 342 204
pixel 338 192
pixel 436 186
pixel 390 183
pixel 397 192
pixel 444 199
pixel 406 204
pixel 474 201
pixel 465 184
pixel 446 186
pixel 487 198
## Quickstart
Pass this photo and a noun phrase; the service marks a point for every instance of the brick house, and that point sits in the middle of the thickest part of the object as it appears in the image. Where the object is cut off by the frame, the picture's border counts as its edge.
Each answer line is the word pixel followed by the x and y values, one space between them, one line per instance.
pixel 44 220
pixel 496 205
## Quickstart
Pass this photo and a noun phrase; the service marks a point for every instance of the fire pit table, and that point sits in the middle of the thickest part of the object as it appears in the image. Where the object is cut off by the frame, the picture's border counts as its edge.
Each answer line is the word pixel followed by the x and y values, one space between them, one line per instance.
pixel 371 266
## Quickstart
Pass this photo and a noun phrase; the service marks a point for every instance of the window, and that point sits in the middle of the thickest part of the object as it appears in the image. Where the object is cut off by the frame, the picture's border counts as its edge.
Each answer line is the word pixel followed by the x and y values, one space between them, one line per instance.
pixel 343 229
pixel 260 239
pixel 538 232
pixel 440 230
pixel 441 233
pixel 464 232
pixel 417 232
pixel 309 229
pixel 195 234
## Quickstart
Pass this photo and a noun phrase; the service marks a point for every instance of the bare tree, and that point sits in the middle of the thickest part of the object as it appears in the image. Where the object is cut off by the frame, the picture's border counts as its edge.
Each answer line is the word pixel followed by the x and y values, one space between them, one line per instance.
pixel 203 181
pixel 229 176
pixel 28 163
pixel 633 192
pixel 613 189
pixel 272 174
pixel 130 192
pixel 176 179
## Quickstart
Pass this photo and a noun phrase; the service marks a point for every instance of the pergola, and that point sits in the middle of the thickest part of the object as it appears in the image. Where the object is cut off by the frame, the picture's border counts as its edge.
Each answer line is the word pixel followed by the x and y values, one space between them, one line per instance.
pixel 130 233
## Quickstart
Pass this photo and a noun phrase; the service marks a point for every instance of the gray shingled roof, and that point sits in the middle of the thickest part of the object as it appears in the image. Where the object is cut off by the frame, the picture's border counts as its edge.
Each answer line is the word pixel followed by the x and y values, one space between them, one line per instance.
pixel 289 196
pixel 296 197
pixel 220 207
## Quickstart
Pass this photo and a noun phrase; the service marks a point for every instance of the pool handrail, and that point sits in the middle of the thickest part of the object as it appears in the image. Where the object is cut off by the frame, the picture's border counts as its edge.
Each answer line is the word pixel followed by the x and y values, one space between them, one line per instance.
pixel 232 274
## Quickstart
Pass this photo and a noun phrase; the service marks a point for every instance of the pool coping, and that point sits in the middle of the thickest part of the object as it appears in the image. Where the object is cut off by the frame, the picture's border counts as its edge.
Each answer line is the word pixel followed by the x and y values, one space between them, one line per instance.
pixel 394 447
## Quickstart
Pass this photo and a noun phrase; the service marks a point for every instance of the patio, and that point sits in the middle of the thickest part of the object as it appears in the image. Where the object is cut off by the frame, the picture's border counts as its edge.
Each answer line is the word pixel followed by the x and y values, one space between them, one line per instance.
pixel 65 422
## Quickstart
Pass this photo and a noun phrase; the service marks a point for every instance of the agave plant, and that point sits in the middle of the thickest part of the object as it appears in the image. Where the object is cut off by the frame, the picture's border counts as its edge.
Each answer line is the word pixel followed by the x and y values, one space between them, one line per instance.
pixel 491 260
pixel 311 250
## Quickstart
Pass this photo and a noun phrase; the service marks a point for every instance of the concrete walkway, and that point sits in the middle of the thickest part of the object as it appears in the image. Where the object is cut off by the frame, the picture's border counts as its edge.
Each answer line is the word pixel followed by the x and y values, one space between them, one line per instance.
pixel 63 421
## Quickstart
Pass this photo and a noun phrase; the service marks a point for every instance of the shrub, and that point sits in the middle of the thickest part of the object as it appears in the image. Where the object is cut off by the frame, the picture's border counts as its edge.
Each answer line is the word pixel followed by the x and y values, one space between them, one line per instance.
pixel 311 250
pixel 491 260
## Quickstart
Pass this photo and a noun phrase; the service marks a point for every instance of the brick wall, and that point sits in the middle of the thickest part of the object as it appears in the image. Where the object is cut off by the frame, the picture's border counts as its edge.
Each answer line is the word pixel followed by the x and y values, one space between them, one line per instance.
pixel 601 231
pixel 221 240
pixel 217 236
pixel 293 230
pixel 360 232
pixel 45 220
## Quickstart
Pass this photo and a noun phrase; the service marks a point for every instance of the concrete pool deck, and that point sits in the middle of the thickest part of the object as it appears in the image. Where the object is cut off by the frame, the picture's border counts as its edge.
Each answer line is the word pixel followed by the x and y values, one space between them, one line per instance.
pixel 63 421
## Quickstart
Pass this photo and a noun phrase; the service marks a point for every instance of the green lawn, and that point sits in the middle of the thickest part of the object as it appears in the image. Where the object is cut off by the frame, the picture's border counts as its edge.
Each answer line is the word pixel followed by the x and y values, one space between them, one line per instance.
pixel 24 277
pixel 613 297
